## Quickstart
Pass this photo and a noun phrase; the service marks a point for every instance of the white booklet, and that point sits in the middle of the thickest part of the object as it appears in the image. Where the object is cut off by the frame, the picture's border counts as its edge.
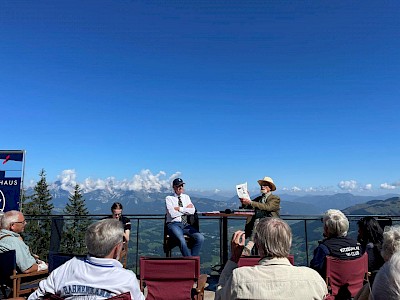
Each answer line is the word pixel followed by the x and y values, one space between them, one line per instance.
pixel 241 190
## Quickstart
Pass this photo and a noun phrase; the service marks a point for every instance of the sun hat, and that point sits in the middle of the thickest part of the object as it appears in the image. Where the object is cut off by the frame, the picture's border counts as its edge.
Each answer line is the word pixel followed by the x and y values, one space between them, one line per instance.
pixel 267 180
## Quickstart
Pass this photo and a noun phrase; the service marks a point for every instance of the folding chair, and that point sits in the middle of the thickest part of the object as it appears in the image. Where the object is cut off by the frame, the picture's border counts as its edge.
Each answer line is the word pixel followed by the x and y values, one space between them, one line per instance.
pixel 20 284
pixel 249 261
pixel 176 278
pixel 170 242
pixel 346 276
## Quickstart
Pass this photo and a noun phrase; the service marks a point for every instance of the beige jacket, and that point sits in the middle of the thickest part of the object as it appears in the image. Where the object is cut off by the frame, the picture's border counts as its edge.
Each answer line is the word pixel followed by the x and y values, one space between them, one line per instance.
pixel 272 279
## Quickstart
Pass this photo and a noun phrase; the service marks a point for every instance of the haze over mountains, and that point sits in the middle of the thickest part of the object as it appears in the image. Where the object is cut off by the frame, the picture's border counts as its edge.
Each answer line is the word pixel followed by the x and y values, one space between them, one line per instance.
pixel 99 201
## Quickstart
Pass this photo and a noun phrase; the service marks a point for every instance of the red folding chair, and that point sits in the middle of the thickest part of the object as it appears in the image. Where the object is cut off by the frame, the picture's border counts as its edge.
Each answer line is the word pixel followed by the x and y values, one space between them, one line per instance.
pixel 172 278
pixel 346 276
pixel 248 261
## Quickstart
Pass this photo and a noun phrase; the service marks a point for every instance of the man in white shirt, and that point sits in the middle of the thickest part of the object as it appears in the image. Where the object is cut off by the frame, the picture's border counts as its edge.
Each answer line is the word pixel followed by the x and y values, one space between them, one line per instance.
pixel 179 206
pixel 100 275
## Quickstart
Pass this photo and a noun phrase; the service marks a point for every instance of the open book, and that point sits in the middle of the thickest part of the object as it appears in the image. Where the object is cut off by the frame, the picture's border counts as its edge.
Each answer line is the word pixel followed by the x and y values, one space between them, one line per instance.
pixel 241 190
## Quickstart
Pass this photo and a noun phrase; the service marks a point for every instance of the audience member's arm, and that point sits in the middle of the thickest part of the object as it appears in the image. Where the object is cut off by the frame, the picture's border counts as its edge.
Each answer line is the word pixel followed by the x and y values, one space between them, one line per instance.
pixel 318 261
pixel 127 229
pixel 224 288
pixel 25 261
pixel 171 208
pixel 34 268
pixel 45 286
pixel 135 291
pixel 189 209
pixel 127 235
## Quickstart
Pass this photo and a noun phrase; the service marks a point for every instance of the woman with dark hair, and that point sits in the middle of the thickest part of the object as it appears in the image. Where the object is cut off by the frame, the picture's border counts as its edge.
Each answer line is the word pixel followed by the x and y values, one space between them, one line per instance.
pixel 116 210
pixel 370 236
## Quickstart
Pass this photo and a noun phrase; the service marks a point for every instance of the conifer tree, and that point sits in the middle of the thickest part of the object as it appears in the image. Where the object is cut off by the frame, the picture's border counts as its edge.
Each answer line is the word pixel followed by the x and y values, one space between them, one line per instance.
pixel 38 229
pixel 73 240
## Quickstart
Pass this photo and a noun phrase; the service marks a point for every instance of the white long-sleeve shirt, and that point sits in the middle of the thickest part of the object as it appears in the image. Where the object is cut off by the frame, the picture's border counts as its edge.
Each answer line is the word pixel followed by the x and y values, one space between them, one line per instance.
pixel 172 201
pixel 94 278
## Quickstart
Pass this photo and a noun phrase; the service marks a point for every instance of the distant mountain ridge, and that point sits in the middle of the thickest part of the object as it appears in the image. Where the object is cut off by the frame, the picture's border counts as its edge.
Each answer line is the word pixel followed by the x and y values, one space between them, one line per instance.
pixel 140 202
pixel 388 207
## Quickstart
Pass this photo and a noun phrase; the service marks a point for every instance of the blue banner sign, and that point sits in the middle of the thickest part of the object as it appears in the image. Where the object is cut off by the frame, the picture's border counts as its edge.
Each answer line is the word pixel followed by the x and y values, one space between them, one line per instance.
pixel 11 173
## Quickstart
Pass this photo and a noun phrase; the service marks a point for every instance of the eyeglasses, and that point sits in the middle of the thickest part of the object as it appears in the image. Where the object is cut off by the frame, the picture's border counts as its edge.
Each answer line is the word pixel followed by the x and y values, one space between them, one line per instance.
pixel 20 222
pixel 179 186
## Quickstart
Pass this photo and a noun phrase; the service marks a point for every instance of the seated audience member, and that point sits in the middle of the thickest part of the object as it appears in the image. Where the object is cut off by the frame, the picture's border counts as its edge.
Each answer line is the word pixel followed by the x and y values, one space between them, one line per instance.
pixel 274 277
pixel 384 278
pixel 12 224
pixel 336 242
pixel 387 281
pixel 178 208
pixel 116 210
pixel 391 242
pixel 100 275
pixel 370 236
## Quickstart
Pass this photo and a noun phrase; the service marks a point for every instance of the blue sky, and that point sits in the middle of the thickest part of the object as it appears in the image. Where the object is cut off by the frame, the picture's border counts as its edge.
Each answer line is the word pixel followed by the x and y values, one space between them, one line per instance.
pixel 217 92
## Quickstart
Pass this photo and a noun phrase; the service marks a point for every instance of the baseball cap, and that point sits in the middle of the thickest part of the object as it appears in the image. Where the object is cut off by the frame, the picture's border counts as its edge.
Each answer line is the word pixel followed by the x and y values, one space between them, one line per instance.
pixel 177 181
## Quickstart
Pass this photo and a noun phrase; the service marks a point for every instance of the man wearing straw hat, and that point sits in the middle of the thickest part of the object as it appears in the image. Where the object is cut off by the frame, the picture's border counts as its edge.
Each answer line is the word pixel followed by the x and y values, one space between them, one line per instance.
pixel 265 205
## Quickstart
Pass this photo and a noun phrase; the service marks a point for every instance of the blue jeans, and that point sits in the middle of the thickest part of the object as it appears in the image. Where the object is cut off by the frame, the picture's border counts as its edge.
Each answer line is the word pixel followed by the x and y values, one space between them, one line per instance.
pixel 177 230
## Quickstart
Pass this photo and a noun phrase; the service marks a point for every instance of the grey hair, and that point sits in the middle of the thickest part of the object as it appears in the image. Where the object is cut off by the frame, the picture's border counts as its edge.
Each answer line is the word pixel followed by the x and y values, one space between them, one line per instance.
pixel 273 237
pixel 102 236
pixel 336 223
pixel 9 218
pixel 391 242
pixel 387 282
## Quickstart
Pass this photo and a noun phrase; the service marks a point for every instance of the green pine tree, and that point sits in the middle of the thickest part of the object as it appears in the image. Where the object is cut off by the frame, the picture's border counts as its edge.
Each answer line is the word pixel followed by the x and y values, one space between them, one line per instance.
pixel 39 206
pixel 73 240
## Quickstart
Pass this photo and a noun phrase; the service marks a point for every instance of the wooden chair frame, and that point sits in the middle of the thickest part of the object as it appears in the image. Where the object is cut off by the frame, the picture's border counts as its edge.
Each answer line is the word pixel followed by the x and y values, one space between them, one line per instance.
pixel 20 283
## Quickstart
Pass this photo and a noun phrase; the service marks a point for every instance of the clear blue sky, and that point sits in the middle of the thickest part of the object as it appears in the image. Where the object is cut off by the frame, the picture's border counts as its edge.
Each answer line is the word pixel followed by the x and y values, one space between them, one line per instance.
pixel 221 92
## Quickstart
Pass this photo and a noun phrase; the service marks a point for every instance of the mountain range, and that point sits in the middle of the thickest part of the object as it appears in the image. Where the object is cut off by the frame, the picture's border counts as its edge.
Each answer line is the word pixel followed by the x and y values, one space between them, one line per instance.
pixel 143 202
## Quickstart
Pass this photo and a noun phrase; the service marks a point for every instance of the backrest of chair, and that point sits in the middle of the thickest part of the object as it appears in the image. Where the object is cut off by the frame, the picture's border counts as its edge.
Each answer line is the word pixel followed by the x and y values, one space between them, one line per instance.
pixel 7 266
pixel 248 261
pixel 56 259
pixel 169 278
pixel 193 220
pixel 340 273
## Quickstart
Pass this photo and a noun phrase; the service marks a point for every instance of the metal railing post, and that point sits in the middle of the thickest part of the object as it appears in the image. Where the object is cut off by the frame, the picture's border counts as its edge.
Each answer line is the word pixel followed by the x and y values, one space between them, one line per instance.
pixel 137 245
pixel 306 238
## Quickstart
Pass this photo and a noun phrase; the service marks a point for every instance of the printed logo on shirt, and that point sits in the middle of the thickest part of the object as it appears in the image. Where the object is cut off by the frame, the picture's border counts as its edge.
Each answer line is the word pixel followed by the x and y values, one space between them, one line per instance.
pixel 351 251
pixel 76 290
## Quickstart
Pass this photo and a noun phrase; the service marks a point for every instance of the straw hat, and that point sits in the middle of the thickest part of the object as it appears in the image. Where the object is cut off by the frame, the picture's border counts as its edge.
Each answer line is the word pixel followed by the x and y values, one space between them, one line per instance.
pixel 267 180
